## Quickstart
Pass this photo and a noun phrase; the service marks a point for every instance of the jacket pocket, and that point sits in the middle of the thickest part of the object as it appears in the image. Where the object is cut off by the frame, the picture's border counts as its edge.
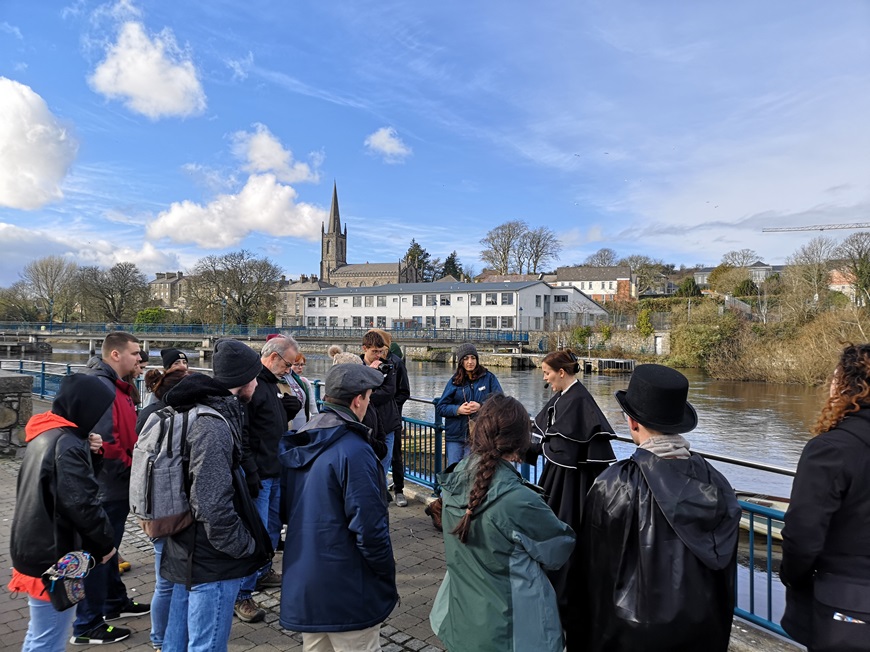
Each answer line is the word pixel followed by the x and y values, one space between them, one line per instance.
pixel 841 614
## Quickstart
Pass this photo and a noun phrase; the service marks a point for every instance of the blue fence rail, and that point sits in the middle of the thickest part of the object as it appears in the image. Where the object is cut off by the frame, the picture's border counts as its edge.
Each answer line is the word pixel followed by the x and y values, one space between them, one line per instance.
pixel 424 457
pixel 236 330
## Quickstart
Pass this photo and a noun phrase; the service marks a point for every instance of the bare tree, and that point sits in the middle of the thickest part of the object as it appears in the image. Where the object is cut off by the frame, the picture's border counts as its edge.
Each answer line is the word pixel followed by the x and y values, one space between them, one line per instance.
pixel 237 285
pixel 117 293
pixel 17 303
pixel 52 282
pixel 646 271
pixel 812 265
pixel 604 257
pixel 501 245
pixel 855 252
pixel 740 257
pixel 543 247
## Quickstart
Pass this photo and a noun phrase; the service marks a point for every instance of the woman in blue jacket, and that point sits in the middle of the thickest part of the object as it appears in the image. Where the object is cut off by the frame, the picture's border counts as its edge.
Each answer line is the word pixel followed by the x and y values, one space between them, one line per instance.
pixel 460 402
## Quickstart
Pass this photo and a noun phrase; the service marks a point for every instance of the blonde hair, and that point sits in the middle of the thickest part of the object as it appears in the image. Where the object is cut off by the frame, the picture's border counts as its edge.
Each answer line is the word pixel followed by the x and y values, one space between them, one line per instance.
pixel 346 357
pixel 333 350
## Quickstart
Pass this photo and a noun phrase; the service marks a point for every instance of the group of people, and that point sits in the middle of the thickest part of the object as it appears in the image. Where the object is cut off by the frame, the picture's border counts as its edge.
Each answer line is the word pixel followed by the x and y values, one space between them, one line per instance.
pixel 638 554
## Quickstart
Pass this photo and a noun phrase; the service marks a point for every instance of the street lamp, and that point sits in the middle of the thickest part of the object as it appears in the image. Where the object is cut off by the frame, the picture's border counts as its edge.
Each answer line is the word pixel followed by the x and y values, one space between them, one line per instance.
pixel 224 316
pixel 50 314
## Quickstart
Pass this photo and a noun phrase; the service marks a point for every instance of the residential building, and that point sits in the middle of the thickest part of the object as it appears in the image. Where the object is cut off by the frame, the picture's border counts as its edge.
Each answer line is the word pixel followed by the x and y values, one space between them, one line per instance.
pixel 170 289
pixel 600 284
pixel 290 311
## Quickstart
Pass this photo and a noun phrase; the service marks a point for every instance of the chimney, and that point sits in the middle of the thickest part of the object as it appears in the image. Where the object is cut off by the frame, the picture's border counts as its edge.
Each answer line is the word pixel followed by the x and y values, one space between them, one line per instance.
pixel 180 275
pixel 161 276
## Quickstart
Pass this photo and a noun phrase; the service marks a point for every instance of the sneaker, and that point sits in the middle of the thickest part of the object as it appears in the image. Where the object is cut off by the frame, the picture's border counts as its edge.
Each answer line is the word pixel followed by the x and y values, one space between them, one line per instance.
pixel 130 610
pixel 270 580
pixel 248 611
pixel 401 501
pixel 100 634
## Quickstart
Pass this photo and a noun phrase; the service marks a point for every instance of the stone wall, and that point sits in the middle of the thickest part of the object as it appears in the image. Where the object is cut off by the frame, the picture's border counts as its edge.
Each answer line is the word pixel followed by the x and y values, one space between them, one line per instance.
pixel 16 407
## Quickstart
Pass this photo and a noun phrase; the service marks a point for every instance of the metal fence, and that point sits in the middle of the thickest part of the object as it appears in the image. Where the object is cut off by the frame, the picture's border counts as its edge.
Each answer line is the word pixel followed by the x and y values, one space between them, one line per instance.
pixel 424 457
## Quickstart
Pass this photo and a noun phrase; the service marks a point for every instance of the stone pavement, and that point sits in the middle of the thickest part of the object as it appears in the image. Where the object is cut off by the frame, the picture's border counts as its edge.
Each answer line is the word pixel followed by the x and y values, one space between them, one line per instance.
pixel 420 566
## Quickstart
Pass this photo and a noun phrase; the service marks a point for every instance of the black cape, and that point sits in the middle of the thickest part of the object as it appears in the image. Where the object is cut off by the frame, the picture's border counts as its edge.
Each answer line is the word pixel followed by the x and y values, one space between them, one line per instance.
pixel 575 457
pixel 659 555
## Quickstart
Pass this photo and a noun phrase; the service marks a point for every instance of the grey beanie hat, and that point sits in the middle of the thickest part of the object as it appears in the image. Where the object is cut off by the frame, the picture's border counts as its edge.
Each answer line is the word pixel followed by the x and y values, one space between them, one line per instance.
pixel 466 349
pixel 235 364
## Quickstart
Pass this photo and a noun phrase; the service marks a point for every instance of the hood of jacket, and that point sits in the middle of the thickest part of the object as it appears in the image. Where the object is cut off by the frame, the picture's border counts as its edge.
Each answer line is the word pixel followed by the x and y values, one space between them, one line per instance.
pixel 697 502
pixel 193 389
pixel 306 444
pixel 456 484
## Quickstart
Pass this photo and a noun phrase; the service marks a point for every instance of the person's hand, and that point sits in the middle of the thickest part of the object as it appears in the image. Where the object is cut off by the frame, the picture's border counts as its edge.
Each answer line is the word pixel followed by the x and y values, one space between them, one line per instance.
pixel 291 404
pixel 95 442
pixel 254 485
pixel 465 408
pixel 473 406
pixel 377 363
pixel 109 556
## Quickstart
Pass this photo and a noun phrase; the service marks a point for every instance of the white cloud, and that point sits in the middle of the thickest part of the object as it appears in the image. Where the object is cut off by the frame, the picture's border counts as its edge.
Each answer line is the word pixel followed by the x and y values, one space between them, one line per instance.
pixel 11 29
pixel 386 142
pixel 36 150
pixel 263 152
pixel 151 74
pixel 263 205
pixel 241 67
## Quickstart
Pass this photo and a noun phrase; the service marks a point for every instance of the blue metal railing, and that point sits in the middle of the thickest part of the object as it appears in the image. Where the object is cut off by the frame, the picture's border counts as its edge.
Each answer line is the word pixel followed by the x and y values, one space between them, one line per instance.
pixel 424 455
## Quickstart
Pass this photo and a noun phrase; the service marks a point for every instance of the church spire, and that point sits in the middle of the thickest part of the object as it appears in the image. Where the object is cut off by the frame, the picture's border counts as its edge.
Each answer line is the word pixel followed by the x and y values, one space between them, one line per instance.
pixel 334 217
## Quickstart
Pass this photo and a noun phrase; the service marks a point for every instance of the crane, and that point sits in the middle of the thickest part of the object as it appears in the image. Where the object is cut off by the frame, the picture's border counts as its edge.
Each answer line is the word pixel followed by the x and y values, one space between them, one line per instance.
pixel 818 227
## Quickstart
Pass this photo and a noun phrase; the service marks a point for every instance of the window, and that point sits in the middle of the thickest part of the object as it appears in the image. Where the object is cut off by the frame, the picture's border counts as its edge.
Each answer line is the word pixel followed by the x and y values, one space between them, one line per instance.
pixel 312 321
pixel 312 302
pixel 321 302
pixel 492 298
pixel 492 322
pixel 396 299
pixel 430 321
pixel 382 322
pixel 430 300
pixel 537 301
pixel 445 299
pixel 602 285
pixel 357 302
pixel 418 320
pixel 560 298
pixel 333 302
pixel 417 300
pixel 321 321
pixel 610 285
pixel 475 298
pixel 507 298
pixel 369 322
pixel 382 302
pixel 460 298
pixel 370 301
pixel 444 321
pixel 507 322
pixel 357 322
pixel 333 321
pixel 537 323
pixel 474 322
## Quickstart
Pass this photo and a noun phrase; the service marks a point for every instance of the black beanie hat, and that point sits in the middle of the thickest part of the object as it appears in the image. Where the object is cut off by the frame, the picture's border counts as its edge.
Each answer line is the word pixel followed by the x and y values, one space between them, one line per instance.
pixel 83 399
pixel 170 356
pixel 235 364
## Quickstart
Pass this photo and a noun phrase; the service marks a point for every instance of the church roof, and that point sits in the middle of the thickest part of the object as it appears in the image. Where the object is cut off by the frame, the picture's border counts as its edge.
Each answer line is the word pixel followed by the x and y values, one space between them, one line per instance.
pixel 433 288
pixel 334 225
pixel 364 269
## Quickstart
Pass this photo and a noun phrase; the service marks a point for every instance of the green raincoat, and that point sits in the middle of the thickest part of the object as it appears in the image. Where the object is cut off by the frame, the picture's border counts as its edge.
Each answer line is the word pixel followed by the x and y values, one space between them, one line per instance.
pixel 496 595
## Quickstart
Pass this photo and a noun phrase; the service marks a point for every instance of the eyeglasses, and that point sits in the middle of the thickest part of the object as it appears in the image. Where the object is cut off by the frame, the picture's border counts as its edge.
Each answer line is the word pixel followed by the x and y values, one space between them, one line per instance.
pixel 288 364
pixel 298 364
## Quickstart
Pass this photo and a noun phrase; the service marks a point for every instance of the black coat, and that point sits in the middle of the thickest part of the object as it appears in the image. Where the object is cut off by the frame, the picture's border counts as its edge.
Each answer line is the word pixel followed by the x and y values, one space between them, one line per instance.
pixel 568 424
pixel 264 427
pixel 56 507
pixel 827 525
pixel 384 400
pixel 658 557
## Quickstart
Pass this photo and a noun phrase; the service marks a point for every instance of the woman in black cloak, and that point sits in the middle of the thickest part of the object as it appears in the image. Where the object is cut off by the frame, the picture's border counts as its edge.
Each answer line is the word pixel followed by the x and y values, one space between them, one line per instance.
pixel 573 435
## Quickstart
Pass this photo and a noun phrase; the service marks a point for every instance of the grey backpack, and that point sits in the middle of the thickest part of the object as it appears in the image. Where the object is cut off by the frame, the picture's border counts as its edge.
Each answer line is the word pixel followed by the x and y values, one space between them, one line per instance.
pixel 159 483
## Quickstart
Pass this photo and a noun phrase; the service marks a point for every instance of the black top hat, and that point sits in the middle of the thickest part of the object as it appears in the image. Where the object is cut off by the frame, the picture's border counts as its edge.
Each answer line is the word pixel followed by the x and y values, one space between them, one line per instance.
pixel 656 398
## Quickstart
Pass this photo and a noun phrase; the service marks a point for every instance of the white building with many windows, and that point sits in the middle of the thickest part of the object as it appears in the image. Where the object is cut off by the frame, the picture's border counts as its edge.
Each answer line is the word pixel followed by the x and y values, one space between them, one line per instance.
pixel 530 305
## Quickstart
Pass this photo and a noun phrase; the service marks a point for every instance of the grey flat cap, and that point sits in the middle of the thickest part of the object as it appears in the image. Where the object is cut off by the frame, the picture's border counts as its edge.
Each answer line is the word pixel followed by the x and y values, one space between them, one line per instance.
pixel 348 380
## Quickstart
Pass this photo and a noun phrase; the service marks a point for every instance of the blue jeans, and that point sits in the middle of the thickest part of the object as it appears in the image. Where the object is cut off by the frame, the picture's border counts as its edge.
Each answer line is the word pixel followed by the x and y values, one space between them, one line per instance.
pixel 456 451
pixel 267 502
pixel 390 440
pixel 200 619
pixel 160 600
pixel 105 593
pixel 49 628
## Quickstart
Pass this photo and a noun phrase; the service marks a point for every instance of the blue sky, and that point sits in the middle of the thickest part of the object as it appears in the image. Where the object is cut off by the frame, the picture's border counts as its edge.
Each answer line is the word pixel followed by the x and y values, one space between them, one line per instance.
pixel 161 132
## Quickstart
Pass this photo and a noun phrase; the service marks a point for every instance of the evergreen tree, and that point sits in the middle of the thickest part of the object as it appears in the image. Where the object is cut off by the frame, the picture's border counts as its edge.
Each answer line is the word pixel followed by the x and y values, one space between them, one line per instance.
pixel 452 266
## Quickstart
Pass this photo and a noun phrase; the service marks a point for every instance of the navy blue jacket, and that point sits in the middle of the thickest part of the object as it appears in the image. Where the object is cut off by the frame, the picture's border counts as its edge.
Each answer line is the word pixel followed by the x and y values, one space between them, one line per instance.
pixel 339 572
pixel 455 424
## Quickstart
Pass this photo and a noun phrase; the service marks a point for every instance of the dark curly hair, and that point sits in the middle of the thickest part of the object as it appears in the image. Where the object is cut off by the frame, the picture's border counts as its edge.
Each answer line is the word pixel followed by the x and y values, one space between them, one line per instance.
pixel 501 430
pixel 852 387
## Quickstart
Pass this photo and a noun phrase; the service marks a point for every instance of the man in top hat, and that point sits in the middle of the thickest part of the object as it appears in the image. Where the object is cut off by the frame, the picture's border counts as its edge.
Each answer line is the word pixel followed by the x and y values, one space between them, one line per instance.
pixel 659 533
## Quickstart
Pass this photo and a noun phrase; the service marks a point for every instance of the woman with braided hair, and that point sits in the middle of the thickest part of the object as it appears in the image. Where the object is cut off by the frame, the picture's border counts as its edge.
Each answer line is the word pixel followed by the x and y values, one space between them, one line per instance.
pixel 499 538
pixel 826 537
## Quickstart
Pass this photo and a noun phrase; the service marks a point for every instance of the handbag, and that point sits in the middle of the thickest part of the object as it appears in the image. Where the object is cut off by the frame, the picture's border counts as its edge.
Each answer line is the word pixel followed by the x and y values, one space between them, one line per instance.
pixel 841 614
pixel 65 580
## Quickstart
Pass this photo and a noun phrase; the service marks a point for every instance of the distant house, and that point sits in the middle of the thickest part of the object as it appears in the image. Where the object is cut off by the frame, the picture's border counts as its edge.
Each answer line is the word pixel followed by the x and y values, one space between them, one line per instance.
pixel 290 300
pixel 600 284
pixel 759 272
pixel 169 289
pixel 843 281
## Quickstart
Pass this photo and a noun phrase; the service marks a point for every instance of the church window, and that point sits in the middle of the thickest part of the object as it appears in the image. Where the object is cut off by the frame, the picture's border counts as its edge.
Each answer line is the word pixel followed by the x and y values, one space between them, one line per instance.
pixel 417 300
pixel 382 302
pixel 445 299
pixel 357 301
pixel 362 284
pixel 370 301
pixel 374 283
pixel 327 247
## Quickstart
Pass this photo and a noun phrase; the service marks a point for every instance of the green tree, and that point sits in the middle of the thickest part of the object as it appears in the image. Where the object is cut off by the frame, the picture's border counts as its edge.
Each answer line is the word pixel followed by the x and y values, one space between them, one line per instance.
pixel 644 323
pixel 606 332
pixel 746 288
pixel 452 266
pixel 688 288
pixel 152 316
pixel 430 269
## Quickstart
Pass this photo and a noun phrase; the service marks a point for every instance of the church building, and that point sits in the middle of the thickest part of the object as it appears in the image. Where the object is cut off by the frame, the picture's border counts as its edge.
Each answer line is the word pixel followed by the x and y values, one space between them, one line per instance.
pixel 335 270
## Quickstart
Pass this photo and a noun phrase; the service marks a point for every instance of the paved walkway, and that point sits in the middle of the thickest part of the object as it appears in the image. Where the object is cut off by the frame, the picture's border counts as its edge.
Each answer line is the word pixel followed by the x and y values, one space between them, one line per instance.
pixel 419 552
